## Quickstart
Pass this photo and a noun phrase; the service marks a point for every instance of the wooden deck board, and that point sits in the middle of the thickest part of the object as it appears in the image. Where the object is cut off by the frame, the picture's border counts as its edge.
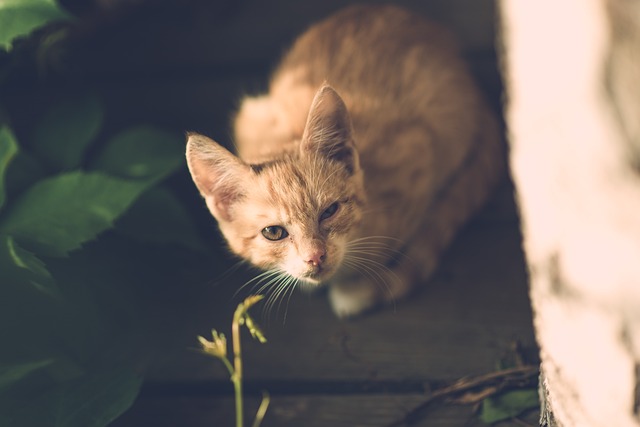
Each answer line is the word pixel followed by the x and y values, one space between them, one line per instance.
pixel 303 411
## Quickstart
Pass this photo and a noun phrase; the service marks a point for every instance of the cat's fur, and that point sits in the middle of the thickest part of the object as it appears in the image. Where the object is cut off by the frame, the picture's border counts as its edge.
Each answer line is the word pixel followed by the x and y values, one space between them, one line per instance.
pixel 372 109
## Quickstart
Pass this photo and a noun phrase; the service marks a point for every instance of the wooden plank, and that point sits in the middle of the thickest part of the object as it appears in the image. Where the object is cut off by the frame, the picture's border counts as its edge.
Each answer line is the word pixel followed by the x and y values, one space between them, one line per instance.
pixel 205 102
pixel 297 411
pixel 215 35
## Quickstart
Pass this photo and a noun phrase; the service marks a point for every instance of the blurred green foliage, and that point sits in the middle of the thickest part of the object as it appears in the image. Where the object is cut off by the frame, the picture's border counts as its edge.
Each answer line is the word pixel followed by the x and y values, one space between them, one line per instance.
pixel 87 229
pixel 20 17
pixel 508 405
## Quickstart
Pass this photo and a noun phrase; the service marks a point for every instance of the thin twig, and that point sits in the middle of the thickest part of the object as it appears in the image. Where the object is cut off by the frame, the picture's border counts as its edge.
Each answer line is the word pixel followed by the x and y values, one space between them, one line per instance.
pixel 262 410
pixel 236 377
pixel 463 390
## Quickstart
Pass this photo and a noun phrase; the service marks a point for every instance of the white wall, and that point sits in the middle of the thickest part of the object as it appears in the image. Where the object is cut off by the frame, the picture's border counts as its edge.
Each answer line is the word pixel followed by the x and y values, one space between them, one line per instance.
pixel 579 197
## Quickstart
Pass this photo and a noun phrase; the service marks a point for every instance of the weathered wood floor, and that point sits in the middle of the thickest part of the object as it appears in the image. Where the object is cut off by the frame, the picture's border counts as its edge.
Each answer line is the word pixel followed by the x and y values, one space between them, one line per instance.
pixel 370 371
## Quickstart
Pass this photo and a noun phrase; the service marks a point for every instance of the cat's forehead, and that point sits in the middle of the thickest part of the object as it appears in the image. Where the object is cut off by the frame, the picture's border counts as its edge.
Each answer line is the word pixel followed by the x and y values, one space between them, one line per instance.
pixel 297 186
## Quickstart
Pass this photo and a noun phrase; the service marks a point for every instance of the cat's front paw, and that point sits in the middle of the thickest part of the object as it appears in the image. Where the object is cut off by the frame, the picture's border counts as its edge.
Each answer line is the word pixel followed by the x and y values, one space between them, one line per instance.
pixel 352 300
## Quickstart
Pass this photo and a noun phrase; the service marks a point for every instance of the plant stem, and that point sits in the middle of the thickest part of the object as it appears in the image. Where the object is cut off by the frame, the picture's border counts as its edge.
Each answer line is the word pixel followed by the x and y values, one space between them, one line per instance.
pixel 262 410
pixel 236 378
pixel 227 365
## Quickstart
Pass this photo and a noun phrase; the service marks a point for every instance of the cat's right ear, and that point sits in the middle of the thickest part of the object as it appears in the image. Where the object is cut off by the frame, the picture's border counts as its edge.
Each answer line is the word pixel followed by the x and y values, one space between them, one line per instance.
pixel 328 130
pixel 218 174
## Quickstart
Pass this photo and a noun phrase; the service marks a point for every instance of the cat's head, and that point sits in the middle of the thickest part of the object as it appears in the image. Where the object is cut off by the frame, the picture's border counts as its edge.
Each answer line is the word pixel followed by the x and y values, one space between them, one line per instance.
pixel 294 213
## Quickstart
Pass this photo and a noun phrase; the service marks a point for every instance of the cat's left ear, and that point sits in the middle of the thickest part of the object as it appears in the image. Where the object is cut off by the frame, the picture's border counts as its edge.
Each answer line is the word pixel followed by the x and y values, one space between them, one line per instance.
pixel 328 131
pixel 218 174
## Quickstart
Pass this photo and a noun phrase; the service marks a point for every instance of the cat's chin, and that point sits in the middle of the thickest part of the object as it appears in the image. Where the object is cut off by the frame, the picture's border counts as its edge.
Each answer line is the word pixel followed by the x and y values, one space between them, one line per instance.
pixel 311 285
pixel 311 282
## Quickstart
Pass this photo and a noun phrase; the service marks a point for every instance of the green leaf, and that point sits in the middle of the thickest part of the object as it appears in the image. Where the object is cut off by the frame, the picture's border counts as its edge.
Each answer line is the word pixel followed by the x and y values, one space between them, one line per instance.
pixel 8 149
pixel 94 400
pixel 59 214
pixel 23 172
pixel 142 153
pixel 99 399
pixel 19 267
pixel 508 405
pixel 61 137
pixel 11 374
pixel 159 217
pixel 21 17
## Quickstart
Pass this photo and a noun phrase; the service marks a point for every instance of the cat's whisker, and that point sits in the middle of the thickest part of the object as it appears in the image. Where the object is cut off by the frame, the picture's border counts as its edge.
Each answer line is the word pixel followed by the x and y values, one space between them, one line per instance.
pixel 374 270
pixel 363 241
pixel 268 286
pixel 278 288
pixel 222 277
pixel 266 310
pixel 369 245
pixel 293 287
pixel 257 280
pixel 373 244
pixel 369 264
pixel 371 253
pixel 269 289
pixel 288 288
pixel 374 238
pixel 380 249
pixel 374 276
pixel 380 253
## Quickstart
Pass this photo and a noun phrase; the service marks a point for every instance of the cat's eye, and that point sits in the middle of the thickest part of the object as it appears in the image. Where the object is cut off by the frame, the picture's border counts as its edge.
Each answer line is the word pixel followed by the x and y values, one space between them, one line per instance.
pixel 329 212
pixel 274 232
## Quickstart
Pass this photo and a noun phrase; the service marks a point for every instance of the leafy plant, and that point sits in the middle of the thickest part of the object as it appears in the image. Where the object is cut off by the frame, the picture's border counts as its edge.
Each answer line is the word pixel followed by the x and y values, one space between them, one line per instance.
pixel 217 348
pixel 77 249
pixel 508 405
pixel 504 394
pixel 20 17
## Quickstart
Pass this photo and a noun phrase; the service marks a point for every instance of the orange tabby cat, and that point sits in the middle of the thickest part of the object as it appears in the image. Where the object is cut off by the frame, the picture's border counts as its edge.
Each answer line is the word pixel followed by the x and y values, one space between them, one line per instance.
pixel 371 149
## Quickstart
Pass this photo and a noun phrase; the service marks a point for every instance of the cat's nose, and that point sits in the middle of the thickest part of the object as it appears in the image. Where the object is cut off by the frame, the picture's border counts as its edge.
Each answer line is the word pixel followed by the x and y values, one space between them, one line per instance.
pixel 316 258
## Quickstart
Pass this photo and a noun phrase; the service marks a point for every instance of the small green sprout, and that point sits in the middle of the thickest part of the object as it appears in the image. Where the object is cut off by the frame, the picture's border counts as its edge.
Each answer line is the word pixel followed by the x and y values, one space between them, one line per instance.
pixel 217 348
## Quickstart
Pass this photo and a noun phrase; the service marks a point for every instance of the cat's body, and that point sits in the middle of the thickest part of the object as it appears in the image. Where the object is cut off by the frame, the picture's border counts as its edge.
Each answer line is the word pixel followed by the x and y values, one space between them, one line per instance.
pixel 370 177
